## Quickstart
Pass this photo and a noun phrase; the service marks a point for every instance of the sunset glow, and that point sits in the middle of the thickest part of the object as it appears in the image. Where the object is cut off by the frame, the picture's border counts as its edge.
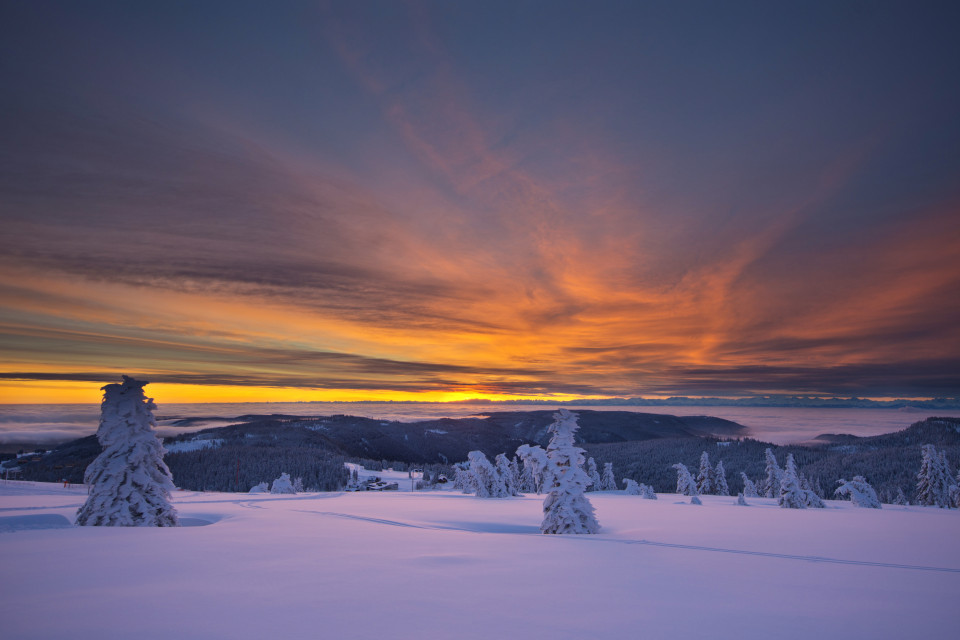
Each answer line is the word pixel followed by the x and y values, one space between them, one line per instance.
pixel 445 201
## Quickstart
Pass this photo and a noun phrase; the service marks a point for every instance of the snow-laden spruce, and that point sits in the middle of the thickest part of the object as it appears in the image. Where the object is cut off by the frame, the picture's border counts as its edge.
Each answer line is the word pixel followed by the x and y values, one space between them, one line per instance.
pixel 282 484
pixel 749 489
pixel 686 486
pixel 933 480
pixel 720 486
pixel 507 482
pixel 860 492
pixel 566 509
pixel 608 482
pixel 771 485
pixel 705 475
pixel 129 484
pixel 535 467
pixel 791 495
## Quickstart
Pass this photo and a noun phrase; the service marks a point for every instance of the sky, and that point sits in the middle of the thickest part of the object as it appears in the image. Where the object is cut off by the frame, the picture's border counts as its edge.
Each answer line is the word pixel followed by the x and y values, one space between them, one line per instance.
pixel 449 200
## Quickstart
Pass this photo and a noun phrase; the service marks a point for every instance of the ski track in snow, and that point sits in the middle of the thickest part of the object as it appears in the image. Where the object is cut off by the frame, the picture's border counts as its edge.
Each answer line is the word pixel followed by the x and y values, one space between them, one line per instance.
pixel 651 543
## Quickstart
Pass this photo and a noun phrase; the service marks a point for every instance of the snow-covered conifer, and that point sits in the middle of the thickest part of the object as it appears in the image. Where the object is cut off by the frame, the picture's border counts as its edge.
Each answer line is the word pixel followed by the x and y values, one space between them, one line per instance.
pixel 633 489
pixel 811 500
pixel 771 485
pixel 901 499
pixel 566 509
pixel 741 500
pixel 860 492
pixel 506 484
pixel 484 475
pixel 705 475
pixel 695 499
pixel 686 486
pixel 535 467
pixel 608 482
pixel 515 473
pixel 462 478
pixel 720 486
pixel 298 485
pixel 791 495
pixel 594 474
pixel 129 484
pixel 263 487
pixel 282 484
pixel 749 488
pixel 647 492
pixel 933 481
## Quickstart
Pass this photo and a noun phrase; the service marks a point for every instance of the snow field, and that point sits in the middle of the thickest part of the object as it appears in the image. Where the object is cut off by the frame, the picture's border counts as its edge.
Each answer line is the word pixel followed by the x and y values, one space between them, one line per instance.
pixel 447 565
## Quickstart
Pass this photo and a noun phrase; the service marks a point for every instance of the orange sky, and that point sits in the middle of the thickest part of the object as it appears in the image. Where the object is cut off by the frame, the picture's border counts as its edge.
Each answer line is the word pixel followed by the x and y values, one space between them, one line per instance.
pixel 383 207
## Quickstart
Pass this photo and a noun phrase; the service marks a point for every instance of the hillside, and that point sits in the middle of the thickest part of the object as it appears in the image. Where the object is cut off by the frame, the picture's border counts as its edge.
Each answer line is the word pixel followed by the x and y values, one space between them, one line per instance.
pixel 232 457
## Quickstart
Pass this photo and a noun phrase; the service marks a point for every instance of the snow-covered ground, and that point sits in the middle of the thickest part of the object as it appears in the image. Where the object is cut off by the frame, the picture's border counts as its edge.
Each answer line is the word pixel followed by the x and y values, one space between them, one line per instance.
pixel 443 565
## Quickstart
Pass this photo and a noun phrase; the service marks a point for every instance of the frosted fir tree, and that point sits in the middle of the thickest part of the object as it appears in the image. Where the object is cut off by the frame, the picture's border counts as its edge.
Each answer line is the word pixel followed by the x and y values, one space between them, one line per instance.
pixel 594 474
pixel 860 492
pixel 608 482
pixel 901 499
pixel 462 478
pixel 633 489
pixel 129 484
pixel 741 500
pixel 720 486
pixel 282 484
pixel 705 475
pixel 535 466
pixel 933 480
pixel 771 486
pixel 506 484
pixel 749 488
pixel 566 509
pixel 515 472
pixel 955 492
pixel 647 492
pixel 791 495
pixel 484 475
pixel 263 487
pixel 686 486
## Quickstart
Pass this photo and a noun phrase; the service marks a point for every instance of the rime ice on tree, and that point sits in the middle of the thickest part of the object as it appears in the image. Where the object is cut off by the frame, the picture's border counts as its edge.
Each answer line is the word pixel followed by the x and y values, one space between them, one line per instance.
pixel 129 483
pixel 566 509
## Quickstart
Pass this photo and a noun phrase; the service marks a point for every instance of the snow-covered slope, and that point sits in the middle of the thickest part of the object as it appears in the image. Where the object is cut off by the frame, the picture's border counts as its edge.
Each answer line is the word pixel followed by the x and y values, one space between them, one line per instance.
pixel 445 565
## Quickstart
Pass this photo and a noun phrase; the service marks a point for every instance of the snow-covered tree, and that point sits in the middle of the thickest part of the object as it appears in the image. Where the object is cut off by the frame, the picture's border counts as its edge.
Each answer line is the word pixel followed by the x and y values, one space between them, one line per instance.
pixel 566 509
pixel 695 499
pixel 686 485
pixel 516 474
pixel 955 492
pixel 771 486
pixel 129 484
pixel 263 487
pixel 535 467
pixel 633 489
pixel 741 500
pixel 705 475
pixel 901 499
pixel 506 484
pixel 749 488
pixel 608 482
pixel 791 495
pixel 282 484
pixel 647 492
pixel 462 478
pixel 298 485
pixel 720 486
pixel 860 492
pixel 484 475
pixel 933 480
pixel 594 474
